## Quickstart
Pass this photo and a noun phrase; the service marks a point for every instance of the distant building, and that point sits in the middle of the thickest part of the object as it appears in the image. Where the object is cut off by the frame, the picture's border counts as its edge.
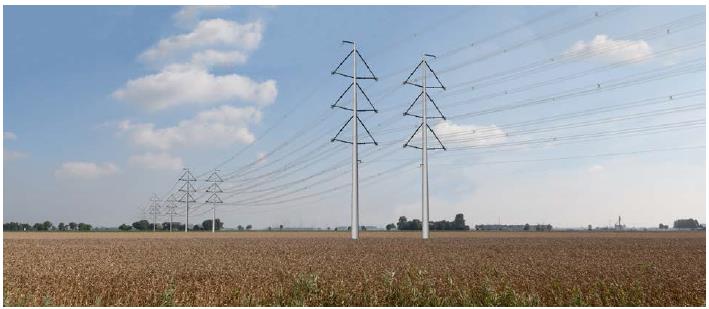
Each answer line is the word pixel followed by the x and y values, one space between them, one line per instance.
pixel 619 226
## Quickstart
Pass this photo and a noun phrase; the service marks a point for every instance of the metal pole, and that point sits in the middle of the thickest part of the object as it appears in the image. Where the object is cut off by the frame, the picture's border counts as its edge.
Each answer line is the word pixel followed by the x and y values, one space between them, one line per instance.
pixel 424 154
pixel 214 212
pixel 355 159
pixel 187 213
pixel 170 220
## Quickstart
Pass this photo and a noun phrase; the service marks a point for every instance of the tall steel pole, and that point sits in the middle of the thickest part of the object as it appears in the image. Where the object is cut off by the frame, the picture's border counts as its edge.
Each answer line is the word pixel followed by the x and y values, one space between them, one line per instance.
pixel 424 128
pixel 187 197
pixel 424 158
pixel 355 157
pixel 215 179
pixel 187 212
pixel 355 122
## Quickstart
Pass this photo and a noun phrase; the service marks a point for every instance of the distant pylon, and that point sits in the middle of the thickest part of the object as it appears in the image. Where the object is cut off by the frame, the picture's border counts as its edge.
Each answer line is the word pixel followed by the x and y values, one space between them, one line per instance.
pixel 424 128
pixel 171 204
pixel 355 124
pixel 214 188
pixel 154 209
pixel 187 197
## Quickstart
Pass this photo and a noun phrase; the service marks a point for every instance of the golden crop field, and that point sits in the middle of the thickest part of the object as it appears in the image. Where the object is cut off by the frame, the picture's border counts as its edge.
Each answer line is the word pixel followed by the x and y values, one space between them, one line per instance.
pixel 326 268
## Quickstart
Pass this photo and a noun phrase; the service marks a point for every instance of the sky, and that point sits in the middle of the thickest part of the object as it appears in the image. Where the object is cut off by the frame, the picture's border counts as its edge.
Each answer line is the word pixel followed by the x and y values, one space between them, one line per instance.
pixel 567 116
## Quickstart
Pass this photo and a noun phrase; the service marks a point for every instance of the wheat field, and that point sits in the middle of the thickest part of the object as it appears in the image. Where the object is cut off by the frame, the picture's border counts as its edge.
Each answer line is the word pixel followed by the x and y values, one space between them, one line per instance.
pixel 328 269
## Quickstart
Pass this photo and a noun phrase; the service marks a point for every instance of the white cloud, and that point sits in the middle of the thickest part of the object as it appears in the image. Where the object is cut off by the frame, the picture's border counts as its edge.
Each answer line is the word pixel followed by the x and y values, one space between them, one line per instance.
pixel 10 136
pixel 10 155
pixel 596 169
pixel 611 49
pixel 85 170
pixel 468 135
pixel 160 161
pixel 215 58
pixel 188 15
pixel 219 126
pixel 261 157
pixel 211 33
pixel 184 84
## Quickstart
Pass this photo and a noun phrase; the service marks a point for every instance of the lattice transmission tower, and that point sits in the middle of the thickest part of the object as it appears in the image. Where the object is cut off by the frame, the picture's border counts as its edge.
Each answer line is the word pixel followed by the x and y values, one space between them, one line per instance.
pixel 424 128
pixel 187 198
pixel 154 209
pixel 355 89
pixel 171 205
pixel 214 199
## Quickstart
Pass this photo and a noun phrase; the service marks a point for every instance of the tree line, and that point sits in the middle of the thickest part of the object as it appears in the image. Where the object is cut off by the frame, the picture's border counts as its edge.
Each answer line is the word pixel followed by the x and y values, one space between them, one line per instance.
pixel 145 225
pixel 46 226
pixel 686 224
pixel 458 224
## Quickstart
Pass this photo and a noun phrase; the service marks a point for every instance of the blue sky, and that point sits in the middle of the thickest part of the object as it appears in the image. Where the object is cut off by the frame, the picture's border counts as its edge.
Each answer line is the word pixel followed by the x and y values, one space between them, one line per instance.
pixel 105 105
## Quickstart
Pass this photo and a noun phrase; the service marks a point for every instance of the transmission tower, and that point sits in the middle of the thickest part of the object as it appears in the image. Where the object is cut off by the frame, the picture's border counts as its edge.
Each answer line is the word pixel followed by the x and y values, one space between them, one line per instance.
pixel 424 128
pixel 171 205
pixel 354 86
pixel 187 197
pixel 154 209
pixel 214 188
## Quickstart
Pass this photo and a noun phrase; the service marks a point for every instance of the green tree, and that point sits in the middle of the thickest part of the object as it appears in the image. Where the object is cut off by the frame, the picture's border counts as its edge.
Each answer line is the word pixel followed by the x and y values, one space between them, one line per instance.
pixel 142 225
pixel 125 227
pixel 240 228
pixel 401 225
pixel 84 227
pixel 686 224
pixel 47 225
pixel 61 226
pixel 390 226
pixel 249 227
pixel 72 226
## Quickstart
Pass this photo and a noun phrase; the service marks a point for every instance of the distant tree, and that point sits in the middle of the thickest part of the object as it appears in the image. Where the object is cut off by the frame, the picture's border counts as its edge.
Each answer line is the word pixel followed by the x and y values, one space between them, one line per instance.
pixel 686 224
pixel 590 227
pixel 61 226
pixel 38 227
pixel 401 225
pixel 249 227
pixel 47 225
pixel 142 225
pixel 72 226
pixel 197 227
pixel 239 227
pixel 663 226
pixel 125 227
pixel 269 228
pixel 526 226
pixel 207 224
pixel 459 223
pixel 84 227
pixel 390 226
pixel 12 226
pixel 281 227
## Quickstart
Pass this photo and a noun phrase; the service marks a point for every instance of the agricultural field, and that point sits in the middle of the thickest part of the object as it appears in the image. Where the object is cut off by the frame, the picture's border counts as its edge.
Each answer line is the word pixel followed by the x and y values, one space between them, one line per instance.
pixel 382 268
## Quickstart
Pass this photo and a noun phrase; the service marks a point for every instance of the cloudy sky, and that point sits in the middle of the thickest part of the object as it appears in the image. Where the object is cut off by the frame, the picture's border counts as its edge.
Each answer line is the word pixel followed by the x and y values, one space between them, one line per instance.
pixel 558 115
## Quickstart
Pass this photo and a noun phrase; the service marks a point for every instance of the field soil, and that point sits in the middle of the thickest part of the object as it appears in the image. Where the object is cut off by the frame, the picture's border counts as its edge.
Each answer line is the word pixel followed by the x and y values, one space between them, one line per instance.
pixel 327 268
